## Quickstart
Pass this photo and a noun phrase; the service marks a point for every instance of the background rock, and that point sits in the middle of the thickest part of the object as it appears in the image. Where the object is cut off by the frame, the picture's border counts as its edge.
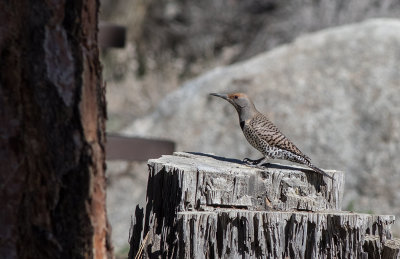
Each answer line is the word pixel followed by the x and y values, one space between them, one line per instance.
pixel 169 42
pixel 335 93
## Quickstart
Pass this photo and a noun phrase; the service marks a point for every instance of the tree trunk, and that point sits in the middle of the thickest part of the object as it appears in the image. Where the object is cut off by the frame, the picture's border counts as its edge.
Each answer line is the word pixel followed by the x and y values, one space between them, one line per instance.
pixel 52 114
pixel 204 206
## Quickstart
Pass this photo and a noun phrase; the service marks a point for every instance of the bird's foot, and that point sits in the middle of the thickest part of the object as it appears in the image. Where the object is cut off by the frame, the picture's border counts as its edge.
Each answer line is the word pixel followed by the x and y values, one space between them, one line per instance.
pixel 254 163
pixel 251 161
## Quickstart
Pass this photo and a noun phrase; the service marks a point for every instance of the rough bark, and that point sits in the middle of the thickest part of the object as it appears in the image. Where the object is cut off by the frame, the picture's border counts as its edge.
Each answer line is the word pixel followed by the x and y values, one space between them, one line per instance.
pixel 52 116
pixel 204 206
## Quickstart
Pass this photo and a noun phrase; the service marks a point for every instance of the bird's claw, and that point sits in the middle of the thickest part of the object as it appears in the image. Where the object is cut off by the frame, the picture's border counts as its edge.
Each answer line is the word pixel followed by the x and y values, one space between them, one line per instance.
pixel 254 162
pixel 258 163
pixel 249 161
pixel 246 160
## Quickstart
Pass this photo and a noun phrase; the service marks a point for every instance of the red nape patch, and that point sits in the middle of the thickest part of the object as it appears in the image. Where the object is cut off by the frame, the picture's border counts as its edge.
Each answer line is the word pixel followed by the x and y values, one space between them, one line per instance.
pixel 237 95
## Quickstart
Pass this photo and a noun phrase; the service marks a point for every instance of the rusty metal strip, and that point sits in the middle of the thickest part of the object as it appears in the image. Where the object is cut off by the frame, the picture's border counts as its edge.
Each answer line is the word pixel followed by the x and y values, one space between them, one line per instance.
pixel 136 149
pixel 111 35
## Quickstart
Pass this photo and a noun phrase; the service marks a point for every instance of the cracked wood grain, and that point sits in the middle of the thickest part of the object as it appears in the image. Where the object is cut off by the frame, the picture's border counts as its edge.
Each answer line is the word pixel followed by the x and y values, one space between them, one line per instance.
pixel 205 206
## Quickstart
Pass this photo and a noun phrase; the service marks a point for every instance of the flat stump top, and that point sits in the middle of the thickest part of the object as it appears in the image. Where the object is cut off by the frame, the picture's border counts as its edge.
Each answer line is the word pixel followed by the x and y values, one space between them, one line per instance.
pixel 206 182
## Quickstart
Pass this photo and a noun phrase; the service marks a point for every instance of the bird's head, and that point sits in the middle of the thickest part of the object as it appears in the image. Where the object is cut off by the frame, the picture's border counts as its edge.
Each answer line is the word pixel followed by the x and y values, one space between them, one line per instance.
pixel 242 103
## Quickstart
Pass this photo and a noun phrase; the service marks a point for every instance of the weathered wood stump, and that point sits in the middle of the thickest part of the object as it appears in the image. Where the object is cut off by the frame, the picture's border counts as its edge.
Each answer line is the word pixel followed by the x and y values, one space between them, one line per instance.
pixel 204 206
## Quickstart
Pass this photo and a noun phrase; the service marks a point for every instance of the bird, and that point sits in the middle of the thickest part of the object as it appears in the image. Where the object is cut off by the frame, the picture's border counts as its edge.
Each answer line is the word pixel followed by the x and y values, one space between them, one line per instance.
pixel 263 135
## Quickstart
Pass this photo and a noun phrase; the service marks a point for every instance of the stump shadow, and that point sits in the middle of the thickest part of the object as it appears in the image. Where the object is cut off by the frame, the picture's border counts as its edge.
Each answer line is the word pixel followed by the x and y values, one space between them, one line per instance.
pixel 312 177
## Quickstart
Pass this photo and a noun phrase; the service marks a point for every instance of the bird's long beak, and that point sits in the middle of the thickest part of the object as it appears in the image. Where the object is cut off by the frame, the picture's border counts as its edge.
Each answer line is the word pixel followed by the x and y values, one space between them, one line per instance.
pixel 223 96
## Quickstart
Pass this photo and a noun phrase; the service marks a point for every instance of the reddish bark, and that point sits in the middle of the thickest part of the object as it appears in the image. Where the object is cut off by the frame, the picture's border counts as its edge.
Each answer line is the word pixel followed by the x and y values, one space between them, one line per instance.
pixel 52 119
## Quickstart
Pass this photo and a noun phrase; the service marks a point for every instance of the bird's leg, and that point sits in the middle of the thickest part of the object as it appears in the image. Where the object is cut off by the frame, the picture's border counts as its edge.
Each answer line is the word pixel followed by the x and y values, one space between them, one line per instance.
pixel 253 162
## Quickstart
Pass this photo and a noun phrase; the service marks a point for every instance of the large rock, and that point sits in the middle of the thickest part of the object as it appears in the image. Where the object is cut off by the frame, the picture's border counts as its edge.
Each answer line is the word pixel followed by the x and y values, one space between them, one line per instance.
pixel 169 42
pixel 335 93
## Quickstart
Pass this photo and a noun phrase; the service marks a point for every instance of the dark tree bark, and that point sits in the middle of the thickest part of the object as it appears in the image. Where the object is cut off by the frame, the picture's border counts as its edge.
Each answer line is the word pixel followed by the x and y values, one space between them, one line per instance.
pixel 52 113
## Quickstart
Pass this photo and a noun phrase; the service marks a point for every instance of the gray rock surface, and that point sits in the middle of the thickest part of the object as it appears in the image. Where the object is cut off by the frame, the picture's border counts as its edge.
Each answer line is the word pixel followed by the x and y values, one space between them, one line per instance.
pixel 169 42
pixel 126 183
pixel 193 30
pixel 335 93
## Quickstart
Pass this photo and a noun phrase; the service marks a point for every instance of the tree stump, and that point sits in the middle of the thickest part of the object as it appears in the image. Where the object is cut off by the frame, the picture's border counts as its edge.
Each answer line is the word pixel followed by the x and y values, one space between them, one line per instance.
pixel 204 206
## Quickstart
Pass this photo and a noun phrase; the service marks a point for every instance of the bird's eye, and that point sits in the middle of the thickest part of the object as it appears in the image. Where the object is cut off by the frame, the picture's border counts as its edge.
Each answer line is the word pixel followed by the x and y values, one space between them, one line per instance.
pixel 236 97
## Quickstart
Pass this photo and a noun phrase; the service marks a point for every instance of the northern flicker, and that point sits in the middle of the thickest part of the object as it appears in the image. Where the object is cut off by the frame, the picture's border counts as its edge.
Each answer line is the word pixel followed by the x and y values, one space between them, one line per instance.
pixel 265 136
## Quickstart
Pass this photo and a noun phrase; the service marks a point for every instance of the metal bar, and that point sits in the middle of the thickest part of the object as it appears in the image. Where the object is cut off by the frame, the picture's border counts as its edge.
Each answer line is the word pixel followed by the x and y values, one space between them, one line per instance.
pixel 111 35
pixel 136 149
